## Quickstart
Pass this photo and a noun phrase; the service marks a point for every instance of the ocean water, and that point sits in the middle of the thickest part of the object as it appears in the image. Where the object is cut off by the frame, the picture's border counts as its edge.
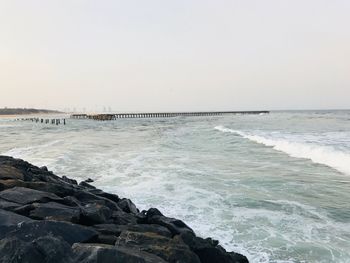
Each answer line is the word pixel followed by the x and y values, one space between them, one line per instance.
pixel 275 187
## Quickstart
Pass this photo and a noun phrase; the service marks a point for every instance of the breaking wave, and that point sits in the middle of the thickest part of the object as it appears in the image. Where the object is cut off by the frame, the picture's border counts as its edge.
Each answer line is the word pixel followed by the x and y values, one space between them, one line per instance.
pixel 317 153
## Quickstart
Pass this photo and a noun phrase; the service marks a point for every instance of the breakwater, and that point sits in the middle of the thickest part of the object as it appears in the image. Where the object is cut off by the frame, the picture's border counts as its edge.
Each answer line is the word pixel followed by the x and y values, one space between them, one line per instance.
pixel 114 116
pixel 47 218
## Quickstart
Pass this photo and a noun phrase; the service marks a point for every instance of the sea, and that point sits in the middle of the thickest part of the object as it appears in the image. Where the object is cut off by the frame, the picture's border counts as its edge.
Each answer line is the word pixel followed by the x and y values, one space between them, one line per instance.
pixel 274 187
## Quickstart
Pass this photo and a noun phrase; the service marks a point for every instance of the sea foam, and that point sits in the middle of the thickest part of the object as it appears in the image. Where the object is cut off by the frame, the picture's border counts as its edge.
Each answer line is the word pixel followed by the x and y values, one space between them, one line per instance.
pixel 317 153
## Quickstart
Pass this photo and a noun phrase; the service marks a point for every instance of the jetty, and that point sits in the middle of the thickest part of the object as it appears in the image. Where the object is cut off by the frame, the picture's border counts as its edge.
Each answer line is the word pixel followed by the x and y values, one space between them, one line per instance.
pixel 114 116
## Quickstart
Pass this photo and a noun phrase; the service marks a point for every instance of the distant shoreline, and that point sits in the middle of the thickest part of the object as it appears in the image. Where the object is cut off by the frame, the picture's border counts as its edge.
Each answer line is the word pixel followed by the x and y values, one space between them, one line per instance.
pixel 18 111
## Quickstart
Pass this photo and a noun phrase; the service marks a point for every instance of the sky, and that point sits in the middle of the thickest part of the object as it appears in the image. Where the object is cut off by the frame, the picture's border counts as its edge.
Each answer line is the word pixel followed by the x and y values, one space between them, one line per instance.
pixel 162 55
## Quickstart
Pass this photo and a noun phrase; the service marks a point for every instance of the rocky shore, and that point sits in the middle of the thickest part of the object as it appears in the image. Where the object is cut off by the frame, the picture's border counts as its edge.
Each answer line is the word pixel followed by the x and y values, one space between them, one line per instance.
pixel 47 218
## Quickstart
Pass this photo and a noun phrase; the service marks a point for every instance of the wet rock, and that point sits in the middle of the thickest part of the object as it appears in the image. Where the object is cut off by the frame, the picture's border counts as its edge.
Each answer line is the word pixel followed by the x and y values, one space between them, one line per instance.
pixel 175 226
pixel 100 253
pixel 23 195
pixel 9 221
pixel 86 185
pixel 123 218
pixel 89 180
pixel 10 172
pixel 128 206
pixel 112 229
pixel 6 205
pixel 171 250
pixel 95 214
pixel 86 198
pixel 71 233
pixel 55 211
pixel 68 180
pixel 209 251
pixel 46 249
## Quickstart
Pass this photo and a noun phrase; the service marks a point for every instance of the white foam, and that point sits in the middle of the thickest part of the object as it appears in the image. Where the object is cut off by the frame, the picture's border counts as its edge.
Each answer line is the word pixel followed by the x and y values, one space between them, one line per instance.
pixel 317 153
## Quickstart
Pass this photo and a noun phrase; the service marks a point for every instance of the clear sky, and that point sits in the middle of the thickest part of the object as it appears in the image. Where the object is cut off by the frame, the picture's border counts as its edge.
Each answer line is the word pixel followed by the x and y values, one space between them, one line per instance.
pixel 163 55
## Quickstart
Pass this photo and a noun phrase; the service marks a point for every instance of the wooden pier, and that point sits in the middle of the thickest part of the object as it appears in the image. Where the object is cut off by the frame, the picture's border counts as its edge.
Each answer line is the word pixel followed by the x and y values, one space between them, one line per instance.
pixel 109 117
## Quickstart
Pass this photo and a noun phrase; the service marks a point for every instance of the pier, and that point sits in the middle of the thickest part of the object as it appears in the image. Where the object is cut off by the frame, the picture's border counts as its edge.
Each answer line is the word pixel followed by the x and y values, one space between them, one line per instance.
pixel 109 117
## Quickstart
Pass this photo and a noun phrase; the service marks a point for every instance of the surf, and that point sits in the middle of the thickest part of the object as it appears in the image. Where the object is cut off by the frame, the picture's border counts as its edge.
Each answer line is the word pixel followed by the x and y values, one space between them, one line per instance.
pixel 319 154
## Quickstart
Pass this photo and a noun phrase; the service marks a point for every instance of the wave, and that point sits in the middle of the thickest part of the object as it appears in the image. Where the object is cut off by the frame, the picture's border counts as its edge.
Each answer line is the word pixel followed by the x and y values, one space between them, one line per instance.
pixel 22 152
pixel 318 154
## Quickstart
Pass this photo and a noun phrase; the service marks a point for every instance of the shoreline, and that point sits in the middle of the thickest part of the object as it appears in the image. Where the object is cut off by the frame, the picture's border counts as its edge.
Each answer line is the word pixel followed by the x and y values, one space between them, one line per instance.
pixel 34 203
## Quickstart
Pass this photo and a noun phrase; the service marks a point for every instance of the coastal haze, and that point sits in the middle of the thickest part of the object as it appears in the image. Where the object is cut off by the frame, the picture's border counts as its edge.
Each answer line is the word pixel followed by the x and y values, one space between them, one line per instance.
pixel 175 55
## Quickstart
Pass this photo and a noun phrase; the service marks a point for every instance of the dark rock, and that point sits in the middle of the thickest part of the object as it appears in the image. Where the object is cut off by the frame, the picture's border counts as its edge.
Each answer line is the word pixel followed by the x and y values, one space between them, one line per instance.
pixel 171 250
pixel 71 233
pixel 86 185
pixel 95 214
pixel 86 198
pixel 100 253
pixel 89 180
pixel 44 168
pixel 9 221
pixel 128 206
pixel 23 195
pixel 68 180
pixel 209 251
pixel 154 216
pixel 55 211
pixel 10 172
pixel 46 249
pixel 112 229
pixel 6 205
pixel 123 218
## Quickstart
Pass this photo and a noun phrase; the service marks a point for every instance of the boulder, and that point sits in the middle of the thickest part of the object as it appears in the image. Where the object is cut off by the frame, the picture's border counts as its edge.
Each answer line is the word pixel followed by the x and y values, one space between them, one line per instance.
pixel 175 226
pixel 9 221
pixel 123 218
pixel 71 233
pixel 128 206
pixel 86 185
pixel 55 211
pixel 171 250
pixel 23 195
pixel 95 213
pixel 46 249
pixel 6 205
pixel 10 172
pixel 101 253
pixel 209 251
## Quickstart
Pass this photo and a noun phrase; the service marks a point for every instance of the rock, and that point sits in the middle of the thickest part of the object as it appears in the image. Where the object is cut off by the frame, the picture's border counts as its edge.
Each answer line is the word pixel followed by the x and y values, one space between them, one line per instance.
pixel 171 250
pixel 44 168
pixel 10 183
pixel 68 180
pixel 175 226
pixel 23 195
pixel 209 251
pixel 9 221
pixel 10 172
pixel 71 233
pixel 89 180
pixel 46 249
pixel 112 229
pixel 128 206
pixel 100 253
pixel 86 185
pixel 6 205
pixel 95 214
pixel 87 198
pixel 55 211
pixel 123 218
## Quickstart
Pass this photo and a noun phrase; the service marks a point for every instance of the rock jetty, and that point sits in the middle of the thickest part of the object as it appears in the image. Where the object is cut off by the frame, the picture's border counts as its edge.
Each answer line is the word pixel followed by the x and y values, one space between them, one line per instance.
pixel 52 219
